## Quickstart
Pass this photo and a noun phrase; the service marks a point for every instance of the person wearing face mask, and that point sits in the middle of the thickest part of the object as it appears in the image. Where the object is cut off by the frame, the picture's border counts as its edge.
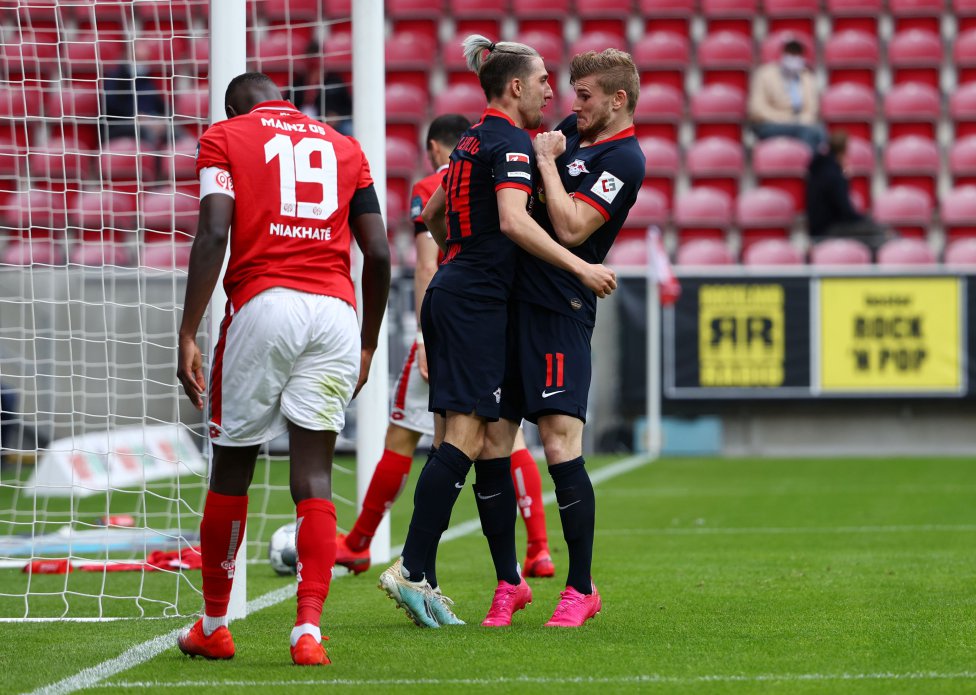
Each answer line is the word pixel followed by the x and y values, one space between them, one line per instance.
pixel 783 99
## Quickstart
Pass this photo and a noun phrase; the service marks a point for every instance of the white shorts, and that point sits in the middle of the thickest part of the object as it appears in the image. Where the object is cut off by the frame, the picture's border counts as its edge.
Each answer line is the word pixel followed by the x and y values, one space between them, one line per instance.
pixel 284 356
pixel 410 404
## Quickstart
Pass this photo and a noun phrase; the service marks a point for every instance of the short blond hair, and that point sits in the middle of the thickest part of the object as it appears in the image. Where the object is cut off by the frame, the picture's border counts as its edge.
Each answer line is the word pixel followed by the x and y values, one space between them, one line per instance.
pixel 614 70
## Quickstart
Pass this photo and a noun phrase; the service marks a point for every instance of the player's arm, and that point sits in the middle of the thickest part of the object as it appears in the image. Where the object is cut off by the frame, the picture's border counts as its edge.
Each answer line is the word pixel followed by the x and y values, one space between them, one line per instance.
pixel 434 216
pixel 422 275
pixel 523 230
pixel 573 220
pixel 369 229
pixel 206 261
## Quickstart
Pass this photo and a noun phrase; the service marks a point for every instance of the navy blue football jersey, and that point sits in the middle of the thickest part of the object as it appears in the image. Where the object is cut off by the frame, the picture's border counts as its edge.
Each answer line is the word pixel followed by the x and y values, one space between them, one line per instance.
pixel 491 155
pixel 606 175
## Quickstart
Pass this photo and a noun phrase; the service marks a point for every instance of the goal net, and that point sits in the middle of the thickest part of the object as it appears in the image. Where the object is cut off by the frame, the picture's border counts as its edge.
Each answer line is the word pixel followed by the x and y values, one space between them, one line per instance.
pixel 104 461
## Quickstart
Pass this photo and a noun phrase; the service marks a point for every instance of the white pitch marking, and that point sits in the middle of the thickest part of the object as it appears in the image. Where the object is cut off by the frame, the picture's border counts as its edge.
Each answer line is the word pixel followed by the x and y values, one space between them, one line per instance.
pixel 142 653
pixel 773 530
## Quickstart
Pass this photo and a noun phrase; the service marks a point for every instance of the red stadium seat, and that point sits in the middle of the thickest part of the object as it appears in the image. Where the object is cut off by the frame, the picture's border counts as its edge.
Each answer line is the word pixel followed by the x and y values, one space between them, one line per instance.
pixel 964 57
pixel 659 111
pixel 165 212
pixel 791 15
pixel 337 53
pixel 597 41
pixel 912 109
pixel 960 252
pixel 190 112
pixel 630 246
pixel 541 15
pixel 917 14
pixel 852 56
pixel 406 111
pixel 718 111
pixel 772 45
pixel 124 165
pixel 410 57
pixel 95 211
pixel 466 99
pixel 905 252
pixel 905 209
pixel 55 166
pixel 764 213
pixel 704 252
pixel 860 163
pixel 851 107
pixel 662 164
pixel 782 163
pixel 965 13
pixel 402 162
pixel 550 46
pixel 726 57
pixel 716 162
pixel 478 16
pixel 962 110
pixel 608 16
pixel 962 161
pixel 730 15
pixel 912 161
pixel 420 16
pixel 667 15
pixel 959 213
pixel 772 252
pixel 840 252
pixel 859 15
pixel 663 57
pixel 702 213
pixel 915 55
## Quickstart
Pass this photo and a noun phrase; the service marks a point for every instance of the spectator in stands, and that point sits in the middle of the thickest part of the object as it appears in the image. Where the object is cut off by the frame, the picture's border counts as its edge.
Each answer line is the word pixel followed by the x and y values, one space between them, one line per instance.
pixel 783 98
pixel 133 101
pixel 829 210
pixel 321 94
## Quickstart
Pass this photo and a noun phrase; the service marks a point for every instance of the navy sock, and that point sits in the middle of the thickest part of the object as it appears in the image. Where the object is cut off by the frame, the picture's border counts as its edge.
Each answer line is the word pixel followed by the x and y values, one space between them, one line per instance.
pixel 430 565
pixel 498 509
pixel 438 488
pixel 577 511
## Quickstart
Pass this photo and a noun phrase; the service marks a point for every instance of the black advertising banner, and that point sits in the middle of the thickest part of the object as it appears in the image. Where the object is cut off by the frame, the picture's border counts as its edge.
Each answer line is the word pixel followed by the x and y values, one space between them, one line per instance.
pixel 743 337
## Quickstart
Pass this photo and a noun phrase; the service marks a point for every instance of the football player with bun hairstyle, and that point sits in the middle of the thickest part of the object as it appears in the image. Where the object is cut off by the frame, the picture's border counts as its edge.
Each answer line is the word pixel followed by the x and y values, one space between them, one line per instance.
pixel 479 217
pixel 290 355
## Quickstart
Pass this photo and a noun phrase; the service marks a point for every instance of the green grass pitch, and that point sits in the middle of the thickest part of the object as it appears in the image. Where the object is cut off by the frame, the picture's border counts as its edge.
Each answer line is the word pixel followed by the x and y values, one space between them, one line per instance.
pixel 718 576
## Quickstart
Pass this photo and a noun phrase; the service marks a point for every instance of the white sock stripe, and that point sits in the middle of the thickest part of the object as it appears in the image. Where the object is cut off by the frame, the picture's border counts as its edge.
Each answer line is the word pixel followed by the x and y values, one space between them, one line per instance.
pixel 520 482
pixel 235 535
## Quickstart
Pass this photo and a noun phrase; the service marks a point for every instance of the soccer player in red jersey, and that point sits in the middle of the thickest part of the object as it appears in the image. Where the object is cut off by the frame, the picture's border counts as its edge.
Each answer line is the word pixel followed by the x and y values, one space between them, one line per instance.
pixel 464 316
pixel 410 417
pixel 291 354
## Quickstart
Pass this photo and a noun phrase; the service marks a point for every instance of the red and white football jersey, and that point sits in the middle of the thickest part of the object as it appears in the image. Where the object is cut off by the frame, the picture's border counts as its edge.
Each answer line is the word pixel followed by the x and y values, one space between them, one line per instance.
pixel 292 179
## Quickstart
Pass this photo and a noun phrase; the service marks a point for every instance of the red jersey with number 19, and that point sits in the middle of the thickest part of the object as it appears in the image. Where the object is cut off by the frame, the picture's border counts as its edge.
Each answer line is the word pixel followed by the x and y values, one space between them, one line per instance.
pixel 292 179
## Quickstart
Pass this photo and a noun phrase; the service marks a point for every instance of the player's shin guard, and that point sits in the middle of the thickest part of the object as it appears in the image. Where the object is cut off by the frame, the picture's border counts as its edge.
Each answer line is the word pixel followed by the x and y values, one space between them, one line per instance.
pixel 221 531
pixel 577 511
pixel 497 508
pixel 315 540
pixel 388 480
pixel 438 487
pixel 528 488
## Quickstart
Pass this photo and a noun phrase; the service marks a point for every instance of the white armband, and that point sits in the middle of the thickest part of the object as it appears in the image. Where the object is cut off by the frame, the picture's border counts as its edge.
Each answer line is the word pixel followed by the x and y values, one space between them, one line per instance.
pixel 215 180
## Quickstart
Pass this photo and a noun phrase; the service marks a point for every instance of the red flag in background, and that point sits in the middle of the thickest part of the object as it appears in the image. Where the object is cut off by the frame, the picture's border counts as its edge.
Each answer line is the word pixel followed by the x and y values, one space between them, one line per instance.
pixel 660 268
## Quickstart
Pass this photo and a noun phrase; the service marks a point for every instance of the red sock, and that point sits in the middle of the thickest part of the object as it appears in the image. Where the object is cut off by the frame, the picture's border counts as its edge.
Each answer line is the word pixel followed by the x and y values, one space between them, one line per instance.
pixel 388 480
pixel 528 489
pixel 316 545
pixel 221 531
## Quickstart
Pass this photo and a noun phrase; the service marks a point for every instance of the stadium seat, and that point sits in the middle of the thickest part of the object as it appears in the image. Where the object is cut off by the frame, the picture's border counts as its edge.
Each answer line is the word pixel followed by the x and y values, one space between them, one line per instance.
pixel 859 15
pixel 965 14
pixel 410 58
pixel 663 57
pixel 661 166
pixel 912 108
pixel 478 16
pixel 915 55
pixel 124 165
pixel 659 111
pixel 771 252
pixel 852 56
pixel 541 15
pixel 960 252
pixel 419 16
pixel 763 213
pixel 905 252
pixel 104 223
pixel 730 15
pixel 962 161
pixel 791 15
pixel 630 246
pixel 702 213
pixel 402 162
pixel 912 161
pixel 337 53
pixel 840 252
pixel 964 57
pixel 550 46
pixel 667 15
pixel 628 250
pixel 704 252
pixel 962 110
pixel 406 111
pixel 772 45
pixel 190 112
pixel 716 162
pixel 959 213
pixel 860 165
pixel 466 99
pixel 782 163
pixel 55 166
pixel 166 211
pixel 917 14
pixel 718 110
pixel 597 41
pixel 726 57
pixel 851 107
pixel 608 16
pixel 905 209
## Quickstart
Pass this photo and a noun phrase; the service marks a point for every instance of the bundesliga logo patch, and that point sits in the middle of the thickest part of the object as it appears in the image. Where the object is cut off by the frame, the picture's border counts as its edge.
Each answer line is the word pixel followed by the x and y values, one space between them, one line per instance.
pixel 607 186
pixel 516 157
pixel 577 167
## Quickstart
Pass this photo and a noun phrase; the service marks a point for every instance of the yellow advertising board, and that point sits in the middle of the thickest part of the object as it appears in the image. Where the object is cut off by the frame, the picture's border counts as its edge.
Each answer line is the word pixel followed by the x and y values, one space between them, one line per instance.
pixel 890 334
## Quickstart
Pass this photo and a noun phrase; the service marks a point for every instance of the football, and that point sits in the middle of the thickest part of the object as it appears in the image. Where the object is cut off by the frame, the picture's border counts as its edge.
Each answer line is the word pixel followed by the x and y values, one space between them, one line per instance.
pixel 282 553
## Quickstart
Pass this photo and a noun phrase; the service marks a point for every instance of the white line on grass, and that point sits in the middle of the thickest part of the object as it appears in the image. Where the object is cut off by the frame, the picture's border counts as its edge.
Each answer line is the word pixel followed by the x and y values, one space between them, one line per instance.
pixel 142 653
pixel 569 680
pixel 773 530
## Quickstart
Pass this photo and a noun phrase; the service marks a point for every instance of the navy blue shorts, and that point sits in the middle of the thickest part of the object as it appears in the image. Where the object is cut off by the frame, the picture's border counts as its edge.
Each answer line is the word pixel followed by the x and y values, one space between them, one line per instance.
pixel 551 369
pixel 465 340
